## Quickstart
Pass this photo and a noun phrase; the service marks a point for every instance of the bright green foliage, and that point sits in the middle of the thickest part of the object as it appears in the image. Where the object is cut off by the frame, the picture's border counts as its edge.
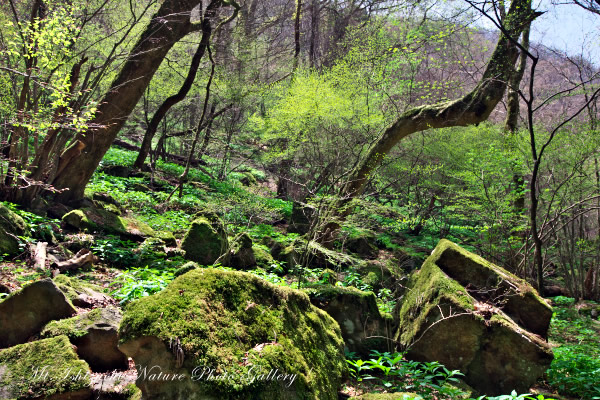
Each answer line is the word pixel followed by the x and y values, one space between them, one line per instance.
pixel 576 366
pixel 136 283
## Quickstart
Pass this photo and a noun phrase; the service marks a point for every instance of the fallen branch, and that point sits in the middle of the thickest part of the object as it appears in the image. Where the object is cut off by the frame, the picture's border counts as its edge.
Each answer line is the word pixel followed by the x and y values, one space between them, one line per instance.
pixel 83 258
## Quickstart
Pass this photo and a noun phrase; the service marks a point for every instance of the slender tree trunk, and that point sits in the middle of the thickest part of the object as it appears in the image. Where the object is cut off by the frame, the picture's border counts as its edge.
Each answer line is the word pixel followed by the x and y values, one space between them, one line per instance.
pixel 79 161
pixel 176 98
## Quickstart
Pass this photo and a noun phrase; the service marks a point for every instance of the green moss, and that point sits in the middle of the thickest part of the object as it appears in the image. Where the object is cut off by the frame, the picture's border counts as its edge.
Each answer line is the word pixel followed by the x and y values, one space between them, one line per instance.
pixel 41 369
pixel 74 327
pixel 429 287
pixel 205 241
pixel 11 226
pixel 72 287
pixel 131 392
pixel 225 317
pixel 187 267
pixel 264 259
pixel 92 219
pixel 167 237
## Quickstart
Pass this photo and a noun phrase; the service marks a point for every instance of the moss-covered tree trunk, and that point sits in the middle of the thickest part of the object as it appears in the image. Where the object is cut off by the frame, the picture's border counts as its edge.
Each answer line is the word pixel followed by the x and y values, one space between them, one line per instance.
pixel 472 108
pixel 78 162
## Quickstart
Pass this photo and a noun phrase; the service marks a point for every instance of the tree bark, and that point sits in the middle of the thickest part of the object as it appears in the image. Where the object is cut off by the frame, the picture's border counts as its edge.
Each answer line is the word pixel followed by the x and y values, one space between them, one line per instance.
pixel 78 162
pixel 176 98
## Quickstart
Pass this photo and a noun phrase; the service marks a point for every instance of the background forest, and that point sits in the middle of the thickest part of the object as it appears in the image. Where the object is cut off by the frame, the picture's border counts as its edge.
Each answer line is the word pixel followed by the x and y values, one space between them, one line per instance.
pixel 397 123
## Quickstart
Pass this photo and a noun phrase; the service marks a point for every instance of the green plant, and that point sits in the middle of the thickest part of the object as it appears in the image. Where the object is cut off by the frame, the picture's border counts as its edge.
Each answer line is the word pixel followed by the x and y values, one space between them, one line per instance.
pixel 115 251
pixel 136 283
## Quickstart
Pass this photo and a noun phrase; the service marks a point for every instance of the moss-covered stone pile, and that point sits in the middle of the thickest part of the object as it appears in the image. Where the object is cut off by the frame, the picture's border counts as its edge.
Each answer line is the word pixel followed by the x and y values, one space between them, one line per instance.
pixel 11 226
pixel 231 335
pixel 441 320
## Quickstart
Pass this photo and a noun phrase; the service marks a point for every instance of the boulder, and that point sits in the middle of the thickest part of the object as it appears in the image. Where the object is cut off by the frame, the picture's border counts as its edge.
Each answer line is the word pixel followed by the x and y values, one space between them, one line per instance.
pixel 363 327
pixel 362 243
pixel 440 320
pixel 242 254
pixel 25 312
pixel 216 334
pixel 206 241
pixel 263 258
pixel 95 335
pixel 45 369
pixel 81 293
pixel 302 215
pixel 11 226
pixel 93 219
pixel 487 282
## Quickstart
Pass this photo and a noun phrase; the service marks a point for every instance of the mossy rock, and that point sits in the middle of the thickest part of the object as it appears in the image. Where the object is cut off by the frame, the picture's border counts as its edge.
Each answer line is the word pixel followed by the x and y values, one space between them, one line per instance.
pixel 322 257
pixel 25 312
pixel 388 396
pixel 439 320
pixel 92 219
pixel 205 241
pixel 362 242
pixel 44 369
pixel 82 293
pixel 242 254
pixel 185 268
pixel 248 179
pixel 95 335
pixel 363 327
pixel 302 215
pixel 263 258
pixel 489 282
pixel 381 275
pixel 235 324
pixel 167 236
pixel 11 226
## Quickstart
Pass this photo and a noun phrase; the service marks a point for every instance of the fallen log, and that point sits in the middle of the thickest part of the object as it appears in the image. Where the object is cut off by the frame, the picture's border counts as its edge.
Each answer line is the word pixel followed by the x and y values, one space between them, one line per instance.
pixel 83 258
pixel 39 255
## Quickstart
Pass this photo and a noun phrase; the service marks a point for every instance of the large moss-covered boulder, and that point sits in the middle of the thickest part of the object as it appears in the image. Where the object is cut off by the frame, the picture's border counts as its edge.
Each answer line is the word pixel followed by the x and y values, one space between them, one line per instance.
pixel 440 320
pixel 490 283
pixel 45 369
pixel 206 241
pixel 11 226
pixel 363 327
pixel 231 335
pixel 93 219
pixel 95 335
pixel 24 313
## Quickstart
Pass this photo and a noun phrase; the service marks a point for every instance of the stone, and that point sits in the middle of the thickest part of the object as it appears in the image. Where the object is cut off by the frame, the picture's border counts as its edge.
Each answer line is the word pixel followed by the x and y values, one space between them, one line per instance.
pixel 440 320
pixel 242 254
pixel 44 369
pixel 206 241
pixel 187 267
pixel 25 312
pixel 263 258
pixel 81 293
pixel 363 327
pixel 92 219
pixel 11 226
pixel 302 215
pixel 234 325
pixel 362 244
pixel 95 335
pixel 167 237
pixel 512 294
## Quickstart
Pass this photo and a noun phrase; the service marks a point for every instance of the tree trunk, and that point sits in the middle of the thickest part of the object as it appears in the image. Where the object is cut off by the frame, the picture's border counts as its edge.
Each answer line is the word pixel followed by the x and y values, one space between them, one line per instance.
pixel 79 161
pixel 176 98
pixel 473 108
